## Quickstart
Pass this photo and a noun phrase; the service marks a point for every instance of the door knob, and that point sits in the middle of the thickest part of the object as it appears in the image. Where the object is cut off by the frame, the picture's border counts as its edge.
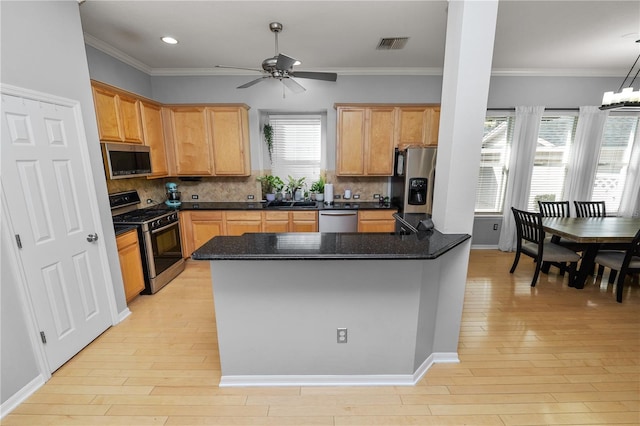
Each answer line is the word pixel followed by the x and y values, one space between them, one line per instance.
pixel 92 238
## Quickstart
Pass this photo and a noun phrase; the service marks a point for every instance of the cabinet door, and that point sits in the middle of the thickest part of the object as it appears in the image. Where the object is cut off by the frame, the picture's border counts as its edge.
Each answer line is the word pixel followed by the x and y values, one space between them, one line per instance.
pixel 199 227
pixel 304 221
pixel 379 146
pixel 130 264
pixel 376 221
pixel 129 109
pixel 434 126
pixel 106 104
pixel 242 222
pixel 275 221
pixel 229 132
pixel 154 138
pixel 413 123
pixel 350 142
pixel 190 142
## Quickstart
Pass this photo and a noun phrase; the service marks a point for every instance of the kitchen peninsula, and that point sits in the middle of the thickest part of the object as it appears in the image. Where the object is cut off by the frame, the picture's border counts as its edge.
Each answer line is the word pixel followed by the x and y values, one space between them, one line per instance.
pixel 297 309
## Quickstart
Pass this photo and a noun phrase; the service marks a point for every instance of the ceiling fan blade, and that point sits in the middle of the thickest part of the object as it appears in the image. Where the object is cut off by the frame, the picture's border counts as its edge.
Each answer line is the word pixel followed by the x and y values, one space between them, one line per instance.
pixel 252 82
pixel 326 76
pixel 238 68
pixel 285 62
pixel 293 85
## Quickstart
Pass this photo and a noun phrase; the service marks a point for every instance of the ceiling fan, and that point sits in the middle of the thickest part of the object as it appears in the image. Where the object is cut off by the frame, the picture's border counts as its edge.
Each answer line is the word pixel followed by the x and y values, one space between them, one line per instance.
pixel 281 66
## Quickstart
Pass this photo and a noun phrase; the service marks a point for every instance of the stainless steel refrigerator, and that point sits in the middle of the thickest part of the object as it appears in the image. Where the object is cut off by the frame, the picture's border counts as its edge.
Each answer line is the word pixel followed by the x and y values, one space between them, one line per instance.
pixel 413 180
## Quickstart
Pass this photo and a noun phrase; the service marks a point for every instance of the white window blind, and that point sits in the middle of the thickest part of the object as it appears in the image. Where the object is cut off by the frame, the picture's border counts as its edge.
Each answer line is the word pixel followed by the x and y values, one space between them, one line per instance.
pixel 297 141
pixel 552 155
pixel 611 172
pixel 492 179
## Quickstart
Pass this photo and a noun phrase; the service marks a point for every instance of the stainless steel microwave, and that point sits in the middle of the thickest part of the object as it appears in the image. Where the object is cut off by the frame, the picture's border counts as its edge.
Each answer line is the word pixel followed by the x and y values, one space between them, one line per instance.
pixel 123 160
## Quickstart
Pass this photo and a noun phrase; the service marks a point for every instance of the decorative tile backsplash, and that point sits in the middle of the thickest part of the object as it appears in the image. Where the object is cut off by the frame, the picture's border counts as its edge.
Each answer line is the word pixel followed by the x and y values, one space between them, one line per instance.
pixel 238 188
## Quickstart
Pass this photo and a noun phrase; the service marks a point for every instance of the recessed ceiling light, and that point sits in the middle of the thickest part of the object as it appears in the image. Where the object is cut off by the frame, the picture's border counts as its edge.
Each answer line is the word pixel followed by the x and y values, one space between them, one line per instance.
pixel 169 40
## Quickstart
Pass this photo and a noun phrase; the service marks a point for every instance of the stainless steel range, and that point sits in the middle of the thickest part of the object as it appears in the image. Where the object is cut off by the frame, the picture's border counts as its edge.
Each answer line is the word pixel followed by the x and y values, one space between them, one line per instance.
pixel 159 235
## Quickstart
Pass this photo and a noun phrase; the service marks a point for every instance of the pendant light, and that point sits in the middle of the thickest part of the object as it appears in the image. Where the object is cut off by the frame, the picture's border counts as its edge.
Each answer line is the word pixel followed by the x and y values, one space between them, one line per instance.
pixel 625 99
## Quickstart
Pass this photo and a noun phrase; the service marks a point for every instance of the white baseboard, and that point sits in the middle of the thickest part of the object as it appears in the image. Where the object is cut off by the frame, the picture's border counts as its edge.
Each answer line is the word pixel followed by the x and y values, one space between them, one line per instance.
pixel 484 247
pixel 339 380
pixel 19 397
pixel 123 315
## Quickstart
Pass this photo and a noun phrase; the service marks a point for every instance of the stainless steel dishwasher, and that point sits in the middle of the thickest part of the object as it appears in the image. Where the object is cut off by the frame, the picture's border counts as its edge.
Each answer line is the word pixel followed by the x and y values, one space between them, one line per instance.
pixel 338 221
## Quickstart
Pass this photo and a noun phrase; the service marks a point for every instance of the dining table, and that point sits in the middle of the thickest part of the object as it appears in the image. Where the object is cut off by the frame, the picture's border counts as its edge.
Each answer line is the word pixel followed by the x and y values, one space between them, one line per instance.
pixel 592 233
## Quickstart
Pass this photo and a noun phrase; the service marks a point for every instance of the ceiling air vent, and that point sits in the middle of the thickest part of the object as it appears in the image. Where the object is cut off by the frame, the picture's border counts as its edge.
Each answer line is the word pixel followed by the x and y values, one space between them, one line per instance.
pixel 392 43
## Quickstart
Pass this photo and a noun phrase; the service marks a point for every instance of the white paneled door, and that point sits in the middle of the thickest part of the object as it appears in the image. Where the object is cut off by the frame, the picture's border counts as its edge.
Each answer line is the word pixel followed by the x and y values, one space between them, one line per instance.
pixel 45 178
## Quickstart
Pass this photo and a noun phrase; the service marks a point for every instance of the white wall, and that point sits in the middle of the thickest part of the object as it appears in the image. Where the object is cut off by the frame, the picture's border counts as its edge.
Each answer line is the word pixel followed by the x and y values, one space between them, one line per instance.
pixel 43 50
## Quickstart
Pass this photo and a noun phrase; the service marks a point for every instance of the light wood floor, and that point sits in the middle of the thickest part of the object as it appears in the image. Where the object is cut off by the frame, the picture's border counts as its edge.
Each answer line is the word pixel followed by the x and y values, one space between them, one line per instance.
pixel 544 355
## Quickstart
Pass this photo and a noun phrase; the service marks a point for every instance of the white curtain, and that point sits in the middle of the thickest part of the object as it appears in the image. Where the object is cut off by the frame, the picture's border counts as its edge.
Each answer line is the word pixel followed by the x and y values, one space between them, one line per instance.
pixel 584 154
pixel 523 149
pixel 630 201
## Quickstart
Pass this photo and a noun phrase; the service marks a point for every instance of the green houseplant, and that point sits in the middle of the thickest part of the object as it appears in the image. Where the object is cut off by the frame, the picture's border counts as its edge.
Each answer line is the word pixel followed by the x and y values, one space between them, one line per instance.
pixel 267 130
pixel 270 186
pixel 294 184
pixel 317 187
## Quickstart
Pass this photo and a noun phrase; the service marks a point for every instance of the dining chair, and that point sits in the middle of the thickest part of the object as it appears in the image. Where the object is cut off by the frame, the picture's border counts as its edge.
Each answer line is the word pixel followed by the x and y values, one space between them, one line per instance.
pixel 531 242
pixel 624 262
pixel 590 208
pixel 556 209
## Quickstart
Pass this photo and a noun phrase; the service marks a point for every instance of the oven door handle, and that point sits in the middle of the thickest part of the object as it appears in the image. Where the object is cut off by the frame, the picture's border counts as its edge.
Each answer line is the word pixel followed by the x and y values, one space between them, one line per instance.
pixel 155 231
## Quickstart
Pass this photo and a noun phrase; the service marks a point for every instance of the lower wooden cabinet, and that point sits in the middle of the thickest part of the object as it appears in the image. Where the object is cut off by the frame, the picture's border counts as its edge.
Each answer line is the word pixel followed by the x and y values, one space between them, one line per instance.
pixel 303 221
pixel 198 227
pixel 242 222
pixel 376 221
pixel 130 264
pixel 276 221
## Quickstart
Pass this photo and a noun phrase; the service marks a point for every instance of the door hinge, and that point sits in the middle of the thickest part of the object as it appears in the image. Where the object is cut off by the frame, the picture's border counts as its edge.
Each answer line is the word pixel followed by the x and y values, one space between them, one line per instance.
pixel 18 241
pixel 43 337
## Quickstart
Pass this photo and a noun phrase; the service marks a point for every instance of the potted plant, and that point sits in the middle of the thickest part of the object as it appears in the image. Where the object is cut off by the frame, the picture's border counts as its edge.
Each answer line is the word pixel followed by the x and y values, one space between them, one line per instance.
pixel 270 185
pixel 317 187
pixel 294 185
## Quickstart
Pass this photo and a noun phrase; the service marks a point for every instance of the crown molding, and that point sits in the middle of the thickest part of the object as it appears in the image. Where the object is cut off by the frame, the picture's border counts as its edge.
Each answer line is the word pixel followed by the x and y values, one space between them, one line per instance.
pixel 415 71
pixel 118 54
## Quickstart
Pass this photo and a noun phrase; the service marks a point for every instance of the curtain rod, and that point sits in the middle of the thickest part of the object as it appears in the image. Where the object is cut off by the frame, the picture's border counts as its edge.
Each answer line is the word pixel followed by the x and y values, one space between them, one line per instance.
pixel 546 109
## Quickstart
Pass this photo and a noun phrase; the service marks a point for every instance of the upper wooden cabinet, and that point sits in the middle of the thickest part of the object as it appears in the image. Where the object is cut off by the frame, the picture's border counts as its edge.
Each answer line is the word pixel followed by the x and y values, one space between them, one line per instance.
pixel 154 138
pixel 188 141
pixel 207 140
pixel 418 126
pixel 365 141
pixel 368 133
pixel 229 133
pixel 118 114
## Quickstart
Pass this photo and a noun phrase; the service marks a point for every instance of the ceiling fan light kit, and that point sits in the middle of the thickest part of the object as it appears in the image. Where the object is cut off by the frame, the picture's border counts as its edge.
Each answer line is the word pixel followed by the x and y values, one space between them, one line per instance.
pixel 280 67
pixel 625 99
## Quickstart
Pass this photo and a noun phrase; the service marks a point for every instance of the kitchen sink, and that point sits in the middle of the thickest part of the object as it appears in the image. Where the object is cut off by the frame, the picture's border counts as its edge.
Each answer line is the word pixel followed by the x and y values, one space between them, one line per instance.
pixel 289 204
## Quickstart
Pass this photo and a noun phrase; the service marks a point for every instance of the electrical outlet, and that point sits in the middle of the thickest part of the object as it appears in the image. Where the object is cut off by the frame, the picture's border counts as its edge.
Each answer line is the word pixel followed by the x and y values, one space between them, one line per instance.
pixel 194 197
pixel 342 335
pixel 376 196
pixel 495 226
pixel 356 196
pixel 250 197
pixel 337 196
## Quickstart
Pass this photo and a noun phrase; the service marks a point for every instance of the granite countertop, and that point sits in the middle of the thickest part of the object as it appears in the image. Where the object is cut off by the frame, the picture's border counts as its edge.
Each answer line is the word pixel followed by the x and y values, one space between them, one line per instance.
pixel 317 246
pixel 215 205
pixel 121 229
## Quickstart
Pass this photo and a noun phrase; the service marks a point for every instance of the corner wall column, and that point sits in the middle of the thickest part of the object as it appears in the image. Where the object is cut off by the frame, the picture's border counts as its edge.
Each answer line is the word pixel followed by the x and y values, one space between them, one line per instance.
pixel 465 87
